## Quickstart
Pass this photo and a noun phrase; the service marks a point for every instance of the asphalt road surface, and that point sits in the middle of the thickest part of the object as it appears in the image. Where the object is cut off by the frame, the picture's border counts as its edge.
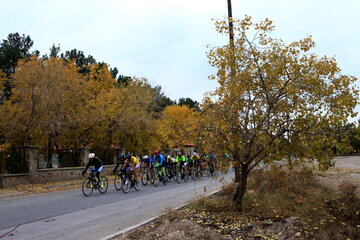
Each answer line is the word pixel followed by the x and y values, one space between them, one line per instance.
pixel 71 215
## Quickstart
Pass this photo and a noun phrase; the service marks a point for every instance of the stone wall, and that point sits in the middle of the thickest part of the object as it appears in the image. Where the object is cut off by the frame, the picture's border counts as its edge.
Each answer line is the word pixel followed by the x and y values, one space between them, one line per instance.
pixel 63 174
pixel 11 180
pixel 47 175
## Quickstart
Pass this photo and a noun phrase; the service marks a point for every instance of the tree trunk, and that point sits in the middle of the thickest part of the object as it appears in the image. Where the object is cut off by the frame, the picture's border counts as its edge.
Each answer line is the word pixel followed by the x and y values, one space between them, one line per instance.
pixel 50 150
pixel 237 171
pixel 242 184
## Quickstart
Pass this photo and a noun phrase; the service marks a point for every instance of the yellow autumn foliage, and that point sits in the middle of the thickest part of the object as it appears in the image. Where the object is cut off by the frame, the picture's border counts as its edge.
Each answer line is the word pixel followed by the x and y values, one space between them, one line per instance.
pixel 177 125
pixel 275 101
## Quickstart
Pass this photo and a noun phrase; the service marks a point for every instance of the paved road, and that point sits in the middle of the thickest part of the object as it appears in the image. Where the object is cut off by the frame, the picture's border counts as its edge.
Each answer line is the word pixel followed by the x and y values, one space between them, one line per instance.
pixel 70 215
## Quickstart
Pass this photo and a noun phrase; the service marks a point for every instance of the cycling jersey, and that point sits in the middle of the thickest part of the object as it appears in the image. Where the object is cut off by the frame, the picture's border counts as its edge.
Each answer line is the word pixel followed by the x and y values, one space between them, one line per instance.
pixel 181 158
pixel 133 161
pixel 121 161
pixel 194 158
pixel 96 162
pixel 151 160
pixel 160 159
pixel 171 160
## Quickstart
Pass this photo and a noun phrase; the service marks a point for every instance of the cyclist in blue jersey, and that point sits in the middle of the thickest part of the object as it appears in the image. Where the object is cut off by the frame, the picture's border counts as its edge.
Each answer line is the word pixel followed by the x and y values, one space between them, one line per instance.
pixel 148 162
pixel 160 161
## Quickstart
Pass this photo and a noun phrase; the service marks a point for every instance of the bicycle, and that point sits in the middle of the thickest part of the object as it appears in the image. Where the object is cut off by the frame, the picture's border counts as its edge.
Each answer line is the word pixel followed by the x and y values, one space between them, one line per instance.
pixel 172 173
pixel 119 179
pixel 154 177
pixel 90 183
pixel 145 176
pixel 183 173
pixel 158 173
pixel 128 181
pixel 196 172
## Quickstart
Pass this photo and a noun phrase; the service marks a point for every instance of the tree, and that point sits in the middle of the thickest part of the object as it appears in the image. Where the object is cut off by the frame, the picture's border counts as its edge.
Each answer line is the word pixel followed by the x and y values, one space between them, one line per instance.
pixel 177 125
pixel 160 101
pixel 44 101
pixel 80 60
pixel 121 79
pixel 274 101
pixel 54 52
pixel 189 102
pixel 12 49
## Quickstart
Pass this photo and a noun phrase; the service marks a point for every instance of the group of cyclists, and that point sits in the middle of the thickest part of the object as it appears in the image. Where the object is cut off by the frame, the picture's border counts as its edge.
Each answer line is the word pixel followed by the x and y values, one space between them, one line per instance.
pixel 158 168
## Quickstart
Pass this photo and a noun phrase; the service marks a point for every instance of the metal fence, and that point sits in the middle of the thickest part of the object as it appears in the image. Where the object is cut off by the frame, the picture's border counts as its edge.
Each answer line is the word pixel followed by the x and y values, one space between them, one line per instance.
pixel 12 160
pixel 59 158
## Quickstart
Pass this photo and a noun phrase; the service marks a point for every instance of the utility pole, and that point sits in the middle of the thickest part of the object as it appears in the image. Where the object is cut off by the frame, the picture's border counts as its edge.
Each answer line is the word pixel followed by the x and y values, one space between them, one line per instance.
pixel 232 73
pixel 231 37
pixel 231 27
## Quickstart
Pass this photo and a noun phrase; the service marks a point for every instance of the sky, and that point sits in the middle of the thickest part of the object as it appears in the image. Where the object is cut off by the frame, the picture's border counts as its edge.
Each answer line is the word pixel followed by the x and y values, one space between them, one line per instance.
pixel 166 40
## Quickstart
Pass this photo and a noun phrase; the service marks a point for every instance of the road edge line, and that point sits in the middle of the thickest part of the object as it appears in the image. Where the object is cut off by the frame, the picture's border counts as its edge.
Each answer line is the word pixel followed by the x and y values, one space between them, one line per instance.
pixel 150 219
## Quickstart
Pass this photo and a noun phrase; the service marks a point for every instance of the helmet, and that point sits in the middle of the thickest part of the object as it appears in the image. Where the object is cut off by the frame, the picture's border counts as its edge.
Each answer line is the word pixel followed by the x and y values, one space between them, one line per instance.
pixel 179 154
pixel 121 155
pixel 146 157
pixel 194 153
pixel 168 156
pixel 156 152
pixel 92 155
pixel 129 155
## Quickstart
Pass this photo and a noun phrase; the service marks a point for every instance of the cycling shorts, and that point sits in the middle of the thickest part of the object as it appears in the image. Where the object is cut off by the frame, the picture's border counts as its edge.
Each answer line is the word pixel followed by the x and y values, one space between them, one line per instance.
pixel 97 169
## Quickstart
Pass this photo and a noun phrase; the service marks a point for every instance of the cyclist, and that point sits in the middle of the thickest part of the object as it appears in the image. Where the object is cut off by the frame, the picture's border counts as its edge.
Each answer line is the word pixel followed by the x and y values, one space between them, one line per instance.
pixel 171 165
pixel 131 164
pixel 211 163
pixel 120 161
pixel 171 162
pixel 181 162
pixel 149 162
pixel 98 166
pixel 204 162
pixel 194 161
pixel 160 160
pixel 180 159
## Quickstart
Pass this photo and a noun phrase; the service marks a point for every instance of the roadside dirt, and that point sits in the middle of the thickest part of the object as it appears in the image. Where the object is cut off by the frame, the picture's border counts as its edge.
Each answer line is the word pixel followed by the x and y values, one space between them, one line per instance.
pixel 182 224
pixel 347 168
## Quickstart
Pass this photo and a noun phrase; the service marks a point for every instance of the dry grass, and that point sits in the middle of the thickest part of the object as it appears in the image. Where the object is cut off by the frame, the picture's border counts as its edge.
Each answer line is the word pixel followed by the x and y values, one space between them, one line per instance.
pixel 325 213
pixel 280 194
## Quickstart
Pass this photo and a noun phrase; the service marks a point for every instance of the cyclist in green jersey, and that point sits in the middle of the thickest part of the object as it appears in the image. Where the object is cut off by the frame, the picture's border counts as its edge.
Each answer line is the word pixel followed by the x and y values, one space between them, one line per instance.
pixel 180 160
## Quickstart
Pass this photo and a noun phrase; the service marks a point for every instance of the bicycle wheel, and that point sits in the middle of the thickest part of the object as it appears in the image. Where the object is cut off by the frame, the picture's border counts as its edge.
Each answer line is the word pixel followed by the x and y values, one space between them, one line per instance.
pixel 177 176
pixel 87 187
pixel 126 185
pixel 185 176
pixel 168 175
pixel 192 174
pixel 164 179
pixel 117 182
pixel 144 178
pixel 137 183
pixel 155 178
pixel 103 189
pixel 197 174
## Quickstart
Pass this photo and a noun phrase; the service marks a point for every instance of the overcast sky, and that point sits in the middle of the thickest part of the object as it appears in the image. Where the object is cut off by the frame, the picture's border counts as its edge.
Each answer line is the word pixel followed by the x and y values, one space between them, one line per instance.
pixel 165 40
